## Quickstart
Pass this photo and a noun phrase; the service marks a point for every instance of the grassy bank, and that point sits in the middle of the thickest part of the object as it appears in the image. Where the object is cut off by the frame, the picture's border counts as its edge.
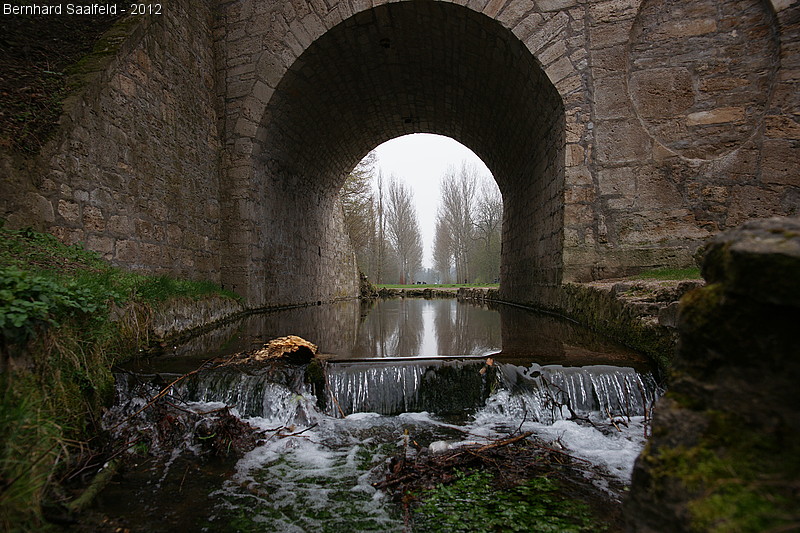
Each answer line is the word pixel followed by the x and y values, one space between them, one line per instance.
pixel 66 318
pixel 435 285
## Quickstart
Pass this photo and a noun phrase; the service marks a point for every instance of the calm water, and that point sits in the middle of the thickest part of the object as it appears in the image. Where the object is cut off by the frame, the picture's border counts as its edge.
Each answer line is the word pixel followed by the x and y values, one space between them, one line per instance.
pixel 407 328
pixel 321 478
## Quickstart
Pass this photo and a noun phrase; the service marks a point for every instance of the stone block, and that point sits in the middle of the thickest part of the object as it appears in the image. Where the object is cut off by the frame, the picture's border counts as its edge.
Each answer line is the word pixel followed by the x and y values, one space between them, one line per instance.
pixel 716 116
pixel 618 182
pixel 120 226
pixel 611 98
pixel 682 29
pixel 101 244
pixel 780 163
pixel 69 211
pixel 555 5
pixel 573 155
pixel 783 127
pixel 662 92
pixel 93 220
pixel 40 206
pixel 613 10
pixel 127 252
pixel 608 35
pixel 621 141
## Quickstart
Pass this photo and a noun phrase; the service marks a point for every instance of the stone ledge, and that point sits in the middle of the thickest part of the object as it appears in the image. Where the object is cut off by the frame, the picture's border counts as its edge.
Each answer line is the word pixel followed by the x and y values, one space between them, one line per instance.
pixel 180 317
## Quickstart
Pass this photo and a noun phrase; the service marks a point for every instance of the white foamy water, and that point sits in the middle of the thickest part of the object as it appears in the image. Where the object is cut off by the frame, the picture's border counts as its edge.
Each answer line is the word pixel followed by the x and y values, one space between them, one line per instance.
pixel 316 468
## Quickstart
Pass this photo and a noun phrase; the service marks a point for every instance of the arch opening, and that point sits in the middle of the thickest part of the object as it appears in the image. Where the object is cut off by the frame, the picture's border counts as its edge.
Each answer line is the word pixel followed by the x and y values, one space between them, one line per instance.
pixel 392 70
pixel 433 169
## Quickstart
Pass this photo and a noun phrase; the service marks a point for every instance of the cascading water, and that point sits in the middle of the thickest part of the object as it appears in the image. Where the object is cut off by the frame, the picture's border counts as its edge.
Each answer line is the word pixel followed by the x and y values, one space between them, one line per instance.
pixel 549 393
pixel 321 448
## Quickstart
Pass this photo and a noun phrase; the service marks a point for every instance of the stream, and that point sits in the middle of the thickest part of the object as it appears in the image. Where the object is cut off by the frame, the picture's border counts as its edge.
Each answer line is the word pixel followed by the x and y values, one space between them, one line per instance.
pixel 438 373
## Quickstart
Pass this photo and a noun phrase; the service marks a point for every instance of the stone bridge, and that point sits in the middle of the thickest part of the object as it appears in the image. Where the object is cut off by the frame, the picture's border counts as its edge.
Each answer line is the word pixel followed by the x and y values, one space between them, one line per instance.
pixel 211 141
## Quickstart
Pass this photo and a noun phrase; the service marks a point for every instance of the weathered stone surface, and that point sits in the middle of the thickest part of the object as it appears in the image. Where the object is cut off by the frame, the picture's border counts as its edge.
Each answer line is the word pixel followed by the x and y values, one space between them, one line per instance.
pixel 181 316
pixel 621 132
pixel 759 260
pixel 696 66
pixel 724 452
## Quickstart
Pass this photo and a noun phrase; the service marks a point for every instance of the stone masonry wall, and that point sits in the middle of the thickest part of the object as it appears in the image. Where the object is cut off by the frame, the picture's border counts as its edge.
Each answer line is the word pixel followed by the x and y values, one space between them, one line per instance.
pixel 679 120
pixel 133 173
pixel 695 127
pixel 622 133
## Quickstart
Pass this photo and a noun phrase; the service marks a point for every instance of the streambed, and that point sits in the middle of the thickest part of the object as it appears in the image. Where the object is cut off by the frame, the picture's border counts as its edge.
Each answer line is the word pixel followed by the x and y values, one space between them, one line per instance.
pixel 399 371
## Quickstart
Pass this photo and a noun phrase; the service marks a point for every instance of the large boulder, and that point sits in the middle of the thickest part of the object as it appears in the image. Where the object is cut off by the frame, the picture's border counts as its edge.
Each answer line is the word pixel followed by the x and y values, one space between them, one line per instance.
pixel 725 450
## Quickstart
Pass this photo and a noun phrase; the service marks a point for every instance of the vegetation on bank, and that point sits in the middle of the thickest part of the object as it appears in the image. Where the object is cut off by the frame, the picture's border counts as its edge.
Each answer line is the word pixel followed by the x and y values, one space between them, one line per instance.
pixel 67 317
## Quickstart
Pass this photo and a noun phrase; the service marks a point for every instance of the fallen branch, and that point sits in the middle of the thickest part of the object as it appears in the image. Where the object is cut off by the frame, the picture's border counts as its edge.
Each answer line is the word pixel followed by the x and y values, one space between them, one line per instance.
pixel 163 392
pixel 505 442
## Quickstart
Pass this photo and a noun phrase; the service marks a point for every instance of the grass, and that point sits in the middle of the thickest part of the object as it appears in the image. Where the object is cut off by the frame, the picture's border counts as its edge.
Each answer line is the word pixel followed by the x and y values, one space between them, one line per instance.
pixel 434 285
pixel 59 342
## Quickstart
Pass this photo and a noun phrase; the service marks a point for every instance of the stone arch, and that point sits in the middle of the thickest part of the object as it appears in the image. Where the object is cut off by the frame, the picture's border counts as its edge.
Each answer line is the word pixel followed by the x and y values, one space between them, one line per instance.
pixel 398 68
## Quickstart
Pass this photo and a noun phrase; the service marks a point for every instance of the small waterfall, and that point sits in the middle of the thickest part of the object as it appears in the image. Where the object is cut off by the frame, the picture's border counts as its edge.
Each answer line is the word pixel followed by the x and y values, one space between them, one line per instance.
pixel 440 387
pixel 272 392
pixel 549 393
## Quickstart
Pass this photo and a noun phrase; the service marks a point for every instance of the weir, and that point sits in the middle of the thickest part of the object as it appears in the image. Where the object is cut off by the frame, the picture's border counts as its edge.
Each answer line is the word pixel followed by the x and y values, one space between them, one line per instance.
pixel 324 432
pixel 436 386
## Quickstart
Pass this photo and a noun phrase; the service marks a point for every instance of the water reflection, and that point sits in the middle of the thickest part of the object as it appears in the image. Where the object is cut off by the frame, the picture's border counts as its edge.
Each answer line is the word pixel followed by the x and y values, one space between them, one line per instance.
pixel 426 328
pixel 547 339
pixel 408 328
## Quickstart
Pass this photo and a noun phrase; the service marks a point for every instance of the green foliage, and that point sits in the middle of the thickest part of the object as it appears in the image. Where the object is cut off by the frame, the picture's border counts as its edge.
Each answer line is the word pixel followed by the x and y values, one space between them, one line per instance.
pixel 59 342
pixel 29 301
pixel 30 448
pixel 32 250
pixel 472 504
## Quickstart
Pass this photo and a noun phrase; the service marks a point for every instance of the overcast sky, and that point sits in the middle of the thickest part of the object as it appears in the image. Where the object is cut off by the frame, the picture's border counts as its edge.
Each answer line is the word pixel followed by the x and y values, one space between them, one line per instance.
pixel 420 160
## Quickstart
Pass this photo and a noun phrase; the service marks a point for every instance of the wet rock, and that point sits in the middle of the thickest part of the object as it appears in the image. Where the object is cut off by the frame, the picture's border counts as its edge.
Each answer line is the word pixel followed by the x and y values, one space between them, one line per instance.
pixel 725 451
pixel 668 316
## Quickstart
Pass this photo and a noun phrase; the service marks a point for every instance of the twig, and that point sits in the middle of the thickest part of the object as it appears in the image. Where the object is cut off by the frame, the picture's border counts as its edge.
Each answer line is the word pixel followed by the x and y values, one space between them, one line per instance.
pixel 180 487
pixel 611 419
pixel 312 426
pixel 505 442
pixel 166 389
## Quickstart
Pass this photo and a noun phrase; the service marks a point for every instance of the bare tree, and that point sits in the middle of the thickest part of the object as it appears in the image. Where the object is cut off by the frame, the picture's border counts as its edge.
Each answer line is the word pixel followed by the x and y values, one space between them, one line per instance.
pixel 488 220
pixel 356 196
pixel 402 230
pixel 442 251
pixel 458 197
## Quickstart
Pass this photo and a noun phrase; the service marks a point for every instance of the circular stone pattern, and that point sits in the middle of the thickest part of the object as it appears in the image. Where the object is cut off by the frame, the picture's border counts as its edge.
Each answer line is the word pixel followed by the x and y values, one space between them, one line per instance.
pixel 701 72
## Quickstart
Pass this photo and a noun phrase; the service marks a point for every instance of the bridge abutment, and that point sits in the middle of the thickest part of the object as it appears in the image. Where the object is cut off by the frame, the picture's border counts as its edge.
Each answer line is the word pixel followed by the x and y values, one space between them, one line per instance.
pixel 622 133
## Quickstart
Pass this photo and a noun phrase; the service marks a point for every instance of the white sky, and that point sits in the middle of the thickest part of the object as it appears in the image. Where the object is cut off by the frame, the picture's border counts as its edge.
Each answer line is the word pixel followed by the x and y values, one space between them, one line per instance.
pixel 420 161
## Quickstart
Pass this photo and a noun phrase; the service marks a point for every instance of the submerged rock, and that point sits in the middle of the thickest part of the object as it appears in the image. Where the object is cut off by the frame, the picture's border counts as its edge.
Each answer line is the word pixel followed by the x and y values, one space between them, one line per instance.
pixel 725 451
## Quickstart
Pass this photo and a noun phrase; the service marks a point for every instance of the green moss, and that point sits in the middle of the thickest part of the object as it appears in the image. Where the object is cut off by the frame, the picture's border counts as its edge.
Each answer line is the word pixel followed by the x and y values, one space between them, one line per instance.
pixel 739 480
pixel 699 306
pixel 472 503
